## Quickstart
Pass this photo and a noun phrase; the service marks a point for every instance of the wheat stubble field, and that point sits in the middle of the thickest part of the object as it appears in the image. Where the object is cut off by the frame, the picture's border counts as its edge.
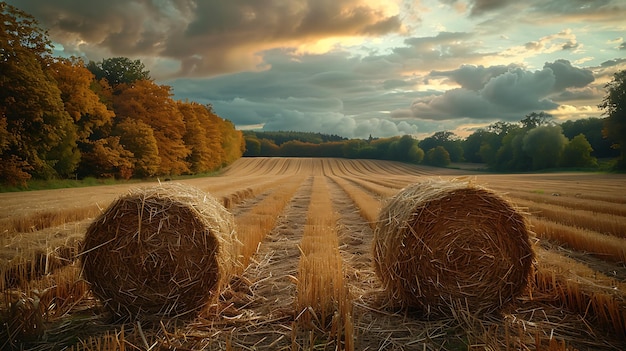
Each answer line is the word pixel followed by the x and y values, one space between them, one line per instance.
pixel 306 279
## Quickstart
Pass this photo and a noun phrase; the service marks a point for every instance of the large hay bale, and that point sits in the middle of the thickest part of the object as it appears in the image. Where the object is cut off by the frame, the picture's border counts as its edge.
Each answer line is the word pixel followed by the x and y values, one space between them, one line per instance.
pixel 442 245
pixel 161 250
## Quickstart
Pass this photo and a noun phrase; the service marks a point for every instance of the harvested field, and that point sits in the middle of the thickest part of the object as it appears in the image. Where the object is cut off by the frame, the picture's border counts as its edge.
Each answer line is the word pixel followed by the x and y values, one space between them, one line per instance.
pixel 306 278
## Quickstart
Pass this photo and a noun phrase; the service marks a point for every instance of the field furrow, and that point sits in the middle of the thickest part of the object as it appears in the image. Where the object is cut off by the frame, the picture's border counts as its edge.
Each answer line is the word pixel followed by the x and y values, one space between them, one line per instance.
pixel 305 278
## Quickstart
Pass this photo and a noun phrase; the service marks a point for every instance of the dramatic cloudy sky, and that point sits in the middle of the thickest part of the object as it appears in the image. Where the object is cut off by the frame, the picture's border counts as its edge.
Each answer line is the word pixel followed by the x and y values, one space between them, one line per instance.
pixel 358 67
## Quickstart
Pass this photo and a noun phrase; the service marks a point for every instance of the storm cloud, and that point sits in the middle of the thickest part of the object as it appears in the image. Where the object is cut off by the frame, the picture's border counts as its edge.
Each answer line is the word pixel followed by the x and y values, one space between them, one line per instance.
pixel 358 67
pixel 202 38
pixel 507 92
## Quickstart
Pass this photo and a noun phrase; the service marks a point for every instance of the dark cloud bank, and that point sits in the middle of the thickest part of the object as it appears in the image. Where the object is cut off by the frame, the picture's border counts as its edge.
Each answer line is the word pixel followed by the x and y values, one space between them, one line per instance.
pixel 204 37
pixel 337 92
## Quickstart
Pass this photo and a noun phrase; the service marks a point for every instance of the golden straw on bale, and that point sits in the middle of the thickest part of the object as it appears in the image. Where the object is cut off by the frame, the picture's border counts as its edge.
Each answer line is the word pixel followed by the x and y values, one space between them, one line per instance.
pixel 443 245
pixel 161 250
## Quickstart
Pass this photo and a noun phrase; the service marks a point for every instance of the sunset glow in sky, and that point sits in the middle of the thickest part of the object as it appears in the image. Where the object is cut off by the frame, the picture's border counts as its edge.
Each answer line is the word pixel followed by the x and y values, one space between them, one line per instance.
pixel 358 67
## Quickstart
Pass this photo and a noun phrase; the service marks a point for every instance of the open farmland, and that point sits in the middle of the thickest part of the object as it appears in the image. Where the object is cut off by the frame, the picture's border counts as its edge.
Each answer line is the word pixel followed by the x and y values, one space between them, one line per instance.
pixel 306 279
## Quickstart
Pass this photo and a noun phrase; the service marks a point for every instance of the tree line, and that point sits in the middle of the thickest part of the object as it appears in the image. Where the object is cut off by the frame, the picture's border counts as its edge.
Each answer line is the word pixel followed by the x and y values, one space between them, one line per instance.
pixel 534 143
pixel 62 118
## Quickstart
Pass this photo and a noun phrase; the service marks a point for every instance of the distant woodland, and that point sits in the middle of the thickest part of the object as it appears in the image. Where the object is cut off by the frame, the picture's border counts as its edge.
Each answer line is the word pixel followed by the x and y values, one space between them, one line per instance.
pixel 64 118
pixel 534 143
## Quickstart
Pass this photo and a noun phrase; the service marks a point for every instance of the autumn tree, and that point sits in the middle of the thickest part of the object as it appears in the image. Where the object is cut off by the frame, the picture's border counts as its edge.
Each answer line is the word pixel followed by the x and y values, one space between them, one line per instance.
pixel 91 117
pixel 150 103
pixel 202 137
pixel 107 157
pixel 81 102
pixel 614 106
pixel 138 138
pixel 40 131
pixel 233 143
pixel 212 124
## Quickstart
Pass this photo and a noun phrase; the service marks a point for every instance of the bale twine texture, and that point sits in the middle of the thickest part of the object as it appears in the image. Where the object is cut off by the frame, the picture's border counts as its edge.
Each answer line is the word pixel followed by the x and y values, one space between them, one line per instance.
pixel 444 245
pixel 163 250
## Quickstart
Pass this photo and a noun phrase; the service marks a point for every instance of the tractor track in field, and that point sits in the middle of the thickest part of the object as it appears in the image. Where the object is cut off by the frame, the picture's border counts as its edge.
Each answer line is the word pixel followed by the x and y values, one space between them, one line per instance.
pixel 375 327
pixel 270 280
pixel 245 206
pixel 272 199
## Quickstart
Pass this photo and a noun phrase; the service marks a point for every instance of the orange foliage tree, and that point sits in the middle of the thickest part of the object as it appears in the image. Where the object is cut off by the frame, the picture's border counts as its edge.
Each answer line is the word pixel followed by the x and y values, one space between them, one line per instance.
pixel 41 135
pixel 62 118
pixel 81 102
pixel 138 137
pixel 233 143
pixel 147 102
pixel 202 136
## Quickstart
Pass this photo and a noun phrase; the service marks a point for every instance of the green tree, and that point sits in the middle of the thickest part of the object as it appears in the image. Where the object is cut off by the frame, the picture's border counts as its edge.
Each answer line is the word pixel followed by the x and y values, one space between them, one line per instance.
pixel 382 148
pixel 544 145
pixel 352 148
pixel 511 156
pixel 491 142
pixel 500 128
pixel 446 139
pixel 415 154
pixel 614 106
pixel 297 148
pixel 437 156
pixel 577 153
pixel 119 70
pixel 269 148
pixel 534 120
pixel 475 146
pixel 405 149
pixel 253 146
pixel 334 149
pixel 591 128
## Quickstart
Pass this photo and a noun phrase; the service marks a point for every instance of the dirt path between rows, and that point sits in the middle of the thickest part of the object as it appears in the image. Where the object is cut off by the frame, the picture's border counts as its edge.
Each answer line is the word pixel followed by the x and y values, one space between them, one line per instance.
pixel 257 311
pixel 375 327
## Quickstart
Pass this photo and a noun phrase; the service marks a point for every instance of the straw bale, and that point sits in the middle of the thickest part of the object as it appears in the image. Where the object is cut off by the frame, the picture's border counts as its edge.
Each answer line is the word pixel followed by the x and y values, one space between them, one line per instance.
pixel 162 250
pixel 443 245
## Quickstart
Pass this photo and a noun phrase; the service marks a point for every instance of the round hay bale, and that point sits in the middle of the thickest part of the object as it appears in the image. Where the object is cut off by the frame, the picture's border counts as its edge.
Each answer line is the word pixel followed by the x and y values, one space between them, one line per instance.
pixel 161 250
pixel 443 245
